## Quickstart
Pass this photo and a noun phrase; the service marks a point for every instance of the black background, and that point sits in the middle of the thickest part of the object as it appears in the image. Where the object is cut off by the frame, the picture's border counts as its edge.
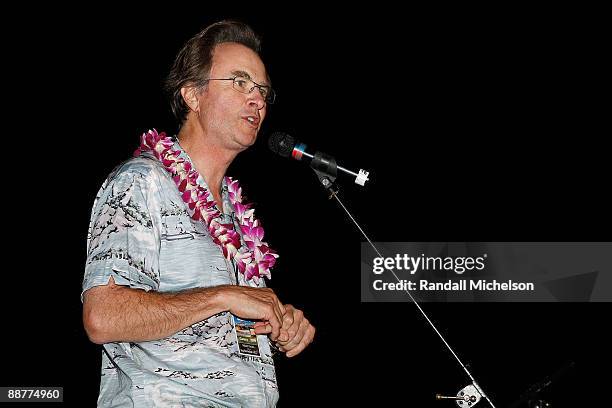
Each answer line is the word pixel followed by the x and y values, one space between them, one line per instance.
pixel 477 124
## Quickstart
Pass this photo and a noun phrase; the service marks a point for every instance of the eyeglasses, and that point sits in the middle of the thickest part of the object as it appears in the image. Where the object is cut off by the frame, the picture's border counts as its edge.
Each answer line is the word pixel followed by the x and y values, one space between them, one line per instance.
pixel 246 86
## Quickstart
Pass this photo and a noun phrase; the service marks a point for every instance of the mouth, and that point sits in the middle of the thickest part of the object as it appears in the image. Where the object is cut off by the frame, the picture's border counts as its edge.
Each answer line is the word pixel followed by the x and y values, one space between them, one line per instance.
pixel 252 120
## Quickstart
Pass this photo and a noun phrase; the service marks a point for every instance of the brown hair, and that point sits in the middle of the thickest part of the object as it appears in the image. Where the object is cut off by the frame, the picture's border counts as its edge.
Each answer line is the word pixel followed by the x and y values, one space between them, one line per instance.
pixel 193 62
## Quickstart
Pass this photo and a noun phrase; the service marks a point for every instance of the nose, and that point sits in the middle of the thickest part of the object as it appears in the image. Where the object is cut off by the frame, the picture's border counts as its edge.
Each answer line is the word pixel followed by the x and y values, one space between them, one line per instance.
pixel 256 99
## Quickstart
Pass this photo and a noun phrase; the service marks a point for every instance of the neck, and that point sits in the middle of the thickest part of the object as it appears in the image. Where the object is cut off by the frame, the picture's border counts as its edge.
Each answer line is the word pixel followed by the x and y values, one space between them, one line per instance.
pixel 210 159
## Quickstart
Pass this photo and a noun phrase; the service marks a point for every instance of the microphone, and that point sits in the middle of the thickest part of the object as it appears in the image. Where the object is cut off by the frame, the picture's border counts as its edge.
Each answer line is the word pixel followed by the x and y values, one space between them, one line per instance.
pixel 286 146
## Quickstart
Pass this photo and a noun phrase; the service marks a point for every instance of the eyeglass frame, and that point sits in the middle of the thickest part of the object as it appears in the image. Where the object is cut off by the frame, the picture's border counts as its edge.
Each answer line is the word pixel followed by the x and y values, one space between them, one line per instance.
pixel 271 92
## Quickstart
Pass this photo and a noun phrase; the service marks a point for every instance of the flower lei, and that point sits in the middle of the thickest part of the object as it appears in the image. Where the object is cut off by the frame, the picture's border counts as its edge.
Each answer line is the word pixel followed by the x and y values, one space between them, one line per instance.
pixel 253 261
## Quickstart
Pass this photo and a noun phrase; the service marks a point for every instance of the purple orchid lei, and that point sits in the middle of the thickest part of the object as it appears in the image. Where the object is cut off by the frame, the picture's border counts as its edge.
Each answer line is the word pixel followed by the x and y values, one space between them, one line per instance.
pixel 257 258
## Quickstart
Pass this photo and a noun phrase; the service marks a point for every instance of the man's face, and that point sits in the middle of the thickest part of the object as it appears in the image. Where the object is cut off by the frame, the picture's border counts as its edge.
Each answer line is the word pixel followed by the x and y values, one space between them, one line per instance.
pixel 233 118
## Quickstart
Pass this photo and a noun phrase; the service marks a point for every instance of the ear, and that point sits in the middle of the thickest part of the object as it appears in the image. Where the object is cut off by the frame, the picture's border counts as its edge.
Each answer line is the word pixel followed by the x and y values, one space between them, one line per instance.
pixel 190 96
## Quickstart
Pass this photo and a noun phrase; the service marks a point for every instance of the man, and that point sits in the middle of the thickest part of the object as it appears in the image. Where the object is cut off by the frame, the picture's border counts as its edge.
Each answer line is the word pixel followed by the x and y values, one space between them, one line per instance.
pixel 172 286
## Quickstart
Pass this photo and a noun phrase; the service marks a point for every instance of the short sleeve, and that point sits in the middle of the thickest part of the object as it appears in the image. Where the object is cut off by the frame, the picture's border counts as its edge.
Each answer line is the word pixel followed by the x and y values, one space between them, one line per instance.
pixel 123 237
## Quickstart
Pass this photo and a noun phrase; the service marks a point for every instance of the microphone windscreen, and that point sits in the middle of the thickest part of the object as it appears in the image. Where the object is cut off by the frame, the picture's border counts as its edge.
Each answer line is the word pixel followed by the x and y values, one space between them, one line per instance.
pixel 281 143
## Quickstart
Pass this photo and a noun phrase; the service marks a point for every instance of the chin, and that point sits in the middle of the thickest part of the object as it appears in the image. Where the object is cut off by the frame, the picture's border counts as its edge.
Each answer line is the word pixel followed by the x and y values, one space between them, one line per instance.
pixel 252 137
pixel 246 141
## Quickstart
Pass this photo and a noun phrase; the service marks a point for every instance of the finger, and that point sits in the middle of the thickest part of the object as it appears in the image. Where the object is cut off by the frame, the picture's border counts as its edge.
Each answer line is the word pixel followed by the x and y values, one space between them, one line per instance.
pixel 275 324
pixel 266 328
pixel 280 310
pixel 303 330
pixel 297 350
pixel 289 333
pixel 288 317
pixel 306 340
pixel 272 313
pixel 288 322
pixel 282 307
pixel 284 335
pixel 273 303
pixel 297 330
pixel 263 329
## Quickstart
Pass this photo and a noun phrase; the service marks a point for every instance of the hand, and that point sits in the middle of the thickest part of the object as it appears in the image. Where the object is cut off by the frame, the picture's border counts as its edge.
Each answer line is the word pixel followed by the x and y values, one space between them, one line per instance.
pixel 298 330
pixel 256 304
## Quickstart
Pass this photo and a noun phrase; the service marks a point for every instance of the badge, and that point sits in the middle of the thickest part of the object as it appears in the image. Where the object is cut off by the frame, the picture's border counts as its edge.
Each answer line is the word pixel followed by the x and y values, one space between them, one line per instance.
pixel 247 339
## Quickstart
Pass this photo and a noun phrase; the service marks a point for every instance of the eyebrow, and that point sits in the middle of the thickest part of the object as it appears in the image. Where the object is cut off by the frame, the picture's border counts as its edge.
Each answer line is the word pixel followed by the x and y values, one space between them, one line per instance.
pixel 246 75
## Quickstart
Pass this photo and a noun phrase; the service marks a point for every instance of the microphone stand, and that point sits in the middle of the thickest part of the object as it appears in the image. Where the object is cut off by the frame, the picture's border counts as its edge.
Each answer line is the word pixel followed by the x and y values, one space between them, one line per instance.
pixel 326 170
